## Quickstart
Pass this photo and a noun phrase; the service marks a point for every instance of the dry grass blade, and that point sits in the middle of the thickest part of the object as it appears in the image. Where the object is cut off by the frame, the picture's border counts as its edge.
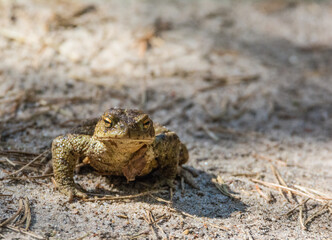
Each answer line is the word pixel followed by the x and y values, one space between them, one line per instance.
pixel 162 231
pixel 229 80
pixel 19 153
pixel 84 236
pixel 223 188
pixel 31 177
pixel 122 216
pixel 10 162
pixel 18 212
pixel 320 211
pixel 5 195
pixel 249 234
pixel 24 208
pixel 224 130
pixel 276 186
pixel 301 217
pixel 315 192
pixel 27 165
pixel 246 175
pixel 139 235
pixel 42 176
pixel 280 181
pixel 84 10
pixel 17 163
pixel 27 214
pixel 298 205
pixel 330 209
pixel 119 198
pixel 28 221
pixel 162 217
pixel 148 217
pixel 268 198
pixel 21 230
pixel 16 129
pixel 280 162
pixel 210 133
pixel 196 218
pixel 160 199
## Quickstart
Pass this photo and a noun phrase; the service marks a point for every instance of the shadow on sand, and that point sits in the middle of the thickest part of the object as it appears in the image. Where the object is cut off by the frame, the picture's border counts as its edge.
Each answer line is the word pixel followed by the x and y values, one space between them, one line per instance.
pixel 206 201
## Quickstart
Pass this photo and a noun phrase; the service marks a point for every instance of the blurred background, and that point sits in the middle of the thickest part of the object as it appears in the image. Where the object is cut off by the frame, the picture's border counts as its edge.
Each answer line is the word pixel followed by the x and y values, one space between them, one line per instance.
pixel 232 78
pixel 197 66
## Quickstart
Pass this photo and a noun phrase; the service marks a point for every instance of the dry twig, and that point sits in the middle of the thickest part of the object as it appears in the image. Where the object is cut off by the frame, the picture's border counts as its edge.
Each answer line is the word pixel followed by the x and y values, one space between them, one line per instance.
pixel 314 192
pixel 246 175
pixel 27 214
pixel 273 185
pixel 145 233
pixel 10 162
pixel 31 162
pixel 160 199
pixel 268 198
pixel 26 232
pixel 249 234
pixel 19 153
pixel 5 195
pixel 298 205
pixel 119 198
pixel 228 80
pixel 223 188
pixel 196 218
pixel 31 177
pixel 11 222
pixel 280 181
pixel 301 217
pixel 320 211
pixel 148 217
pixel 210 133
pixel 278 161
pixel 18 212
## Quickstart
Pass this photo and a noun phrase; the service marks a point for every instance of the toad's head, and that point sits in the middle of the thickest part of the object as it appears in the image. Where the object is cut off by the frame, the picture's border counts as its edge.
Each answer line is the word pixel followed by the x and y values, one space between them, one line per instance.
pixel 125 125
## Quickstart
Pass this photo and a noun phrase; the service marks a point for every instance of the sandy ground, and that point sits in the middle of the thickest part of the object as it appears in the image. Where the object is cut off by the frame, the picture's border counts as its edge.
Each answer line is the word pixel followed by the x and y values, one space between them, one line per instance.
pixel 243 83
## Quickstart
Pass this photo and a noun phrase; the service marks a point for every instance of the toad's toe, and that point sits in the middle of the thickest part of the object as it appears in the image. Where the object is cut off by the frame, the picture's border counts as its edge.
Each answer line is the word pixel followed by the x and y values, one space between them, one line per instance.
pixel 188 177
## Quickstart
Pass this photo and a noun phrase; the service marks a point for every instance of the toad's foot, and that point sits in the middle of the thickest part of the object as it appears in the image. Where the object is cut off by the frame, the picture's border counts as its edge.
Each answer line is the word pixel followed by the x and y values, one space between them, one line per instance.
pixel 164 182
pixel 73 191
pixel 188 177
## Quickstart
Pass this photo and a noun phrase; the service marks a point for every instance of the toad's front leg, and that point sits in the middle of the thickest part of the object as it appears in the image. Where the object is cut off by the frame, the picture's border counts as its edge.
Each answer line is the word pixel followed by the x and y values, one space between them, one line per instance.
pixel 65 152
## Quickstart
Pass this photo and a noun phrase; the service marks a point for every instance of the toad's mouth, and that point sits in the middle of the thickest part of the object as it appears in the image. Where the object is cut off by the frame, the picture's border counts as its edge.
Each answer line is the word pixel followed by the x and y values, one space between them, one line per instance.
pixel 149 140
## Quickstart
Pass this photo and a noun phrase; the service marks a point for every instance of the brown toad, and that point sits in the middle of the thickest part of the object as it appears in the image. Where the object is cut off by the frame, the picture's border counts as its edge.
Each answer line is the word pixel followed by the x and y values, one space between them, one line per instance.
pixel 123 142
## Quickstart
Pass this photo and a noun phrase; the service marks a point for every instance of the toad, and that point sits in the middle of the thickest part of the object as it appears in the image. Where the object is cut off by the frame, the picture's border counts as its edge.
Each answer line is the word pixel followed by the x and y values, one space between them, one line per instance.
pixel 122 142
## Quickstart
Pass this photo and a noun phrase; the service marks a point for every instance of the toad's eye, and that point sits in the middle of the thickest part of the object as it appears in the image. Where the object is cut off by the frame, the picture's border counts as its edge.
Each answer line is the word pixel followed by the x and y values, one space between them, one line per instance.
pixel 108 122
pixel 146 123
